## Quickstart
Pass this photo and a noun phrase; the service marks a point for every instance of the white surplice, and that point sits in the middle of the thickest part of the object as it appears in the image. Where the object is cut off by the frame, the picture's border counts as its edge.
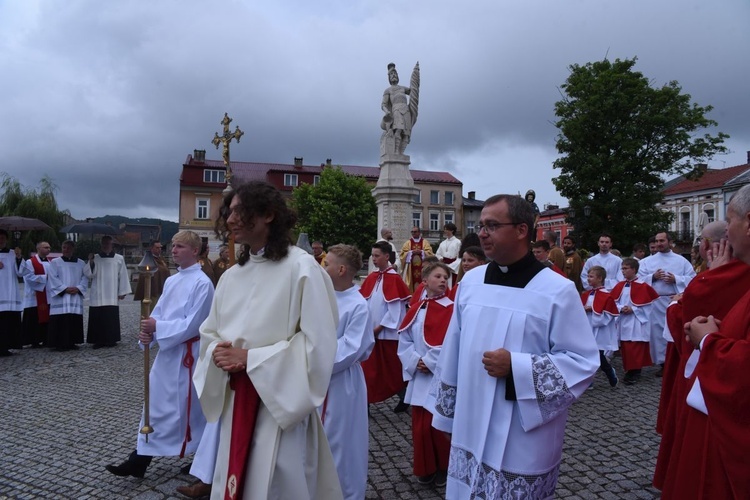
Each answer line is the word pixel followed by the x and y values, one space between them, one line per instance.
pixel 109 280
pixel 345 419
pixel 10 297
pixel 284 313
pixel 610 262
pixel 411 348
pixel 182 307
pixel 633 327
pixel 60 276
pixel 604 327
pixel 683 273
pixel 501 448
pixel 449 249
pixel 33 282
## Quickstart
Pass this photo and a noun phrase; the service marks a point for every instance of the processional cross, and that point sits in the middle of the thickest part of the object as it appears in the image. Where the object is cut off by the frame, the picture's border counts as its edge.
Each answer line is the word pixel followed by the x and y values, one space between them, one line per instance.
pixel 225 139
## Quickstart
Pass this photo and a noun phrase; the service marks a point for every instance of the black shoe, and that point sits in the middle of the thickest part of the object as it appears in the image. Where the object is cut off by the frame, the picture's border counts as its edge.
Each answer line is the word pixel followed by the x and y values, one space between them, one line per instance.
pixel 441 478
pixel 612 377
pixel 185 469
pixel 127 468
pixel 98 346
pixel 5 353
pixel 400 407
pixel 426 479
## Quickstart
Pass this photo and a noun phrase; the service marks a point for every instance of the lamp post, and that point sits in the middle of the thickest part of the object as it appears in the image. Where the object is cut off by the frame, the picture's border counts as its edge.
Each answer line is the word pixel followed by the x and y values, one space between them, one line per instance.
pixel 147 268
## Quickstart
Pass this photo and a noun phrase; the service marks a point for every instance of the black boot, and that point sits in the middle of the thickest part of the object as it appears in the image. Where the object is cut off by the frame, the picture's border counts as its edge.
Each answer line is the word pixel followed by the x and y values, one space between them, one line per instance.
pixel 135 466
pixel 401 406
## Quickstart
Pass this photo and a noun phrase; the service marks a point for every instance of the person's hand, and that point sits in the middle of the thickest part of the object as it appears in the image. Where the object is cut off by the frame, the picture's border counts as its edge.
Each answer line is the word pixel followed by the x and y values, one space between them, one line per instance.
pixel 676 297
pixel 148 325
pixel 228 358
pixel 588 309
pixel 71 290
pixel 668 278
pixel 626 310
pixel 659 275
pixel 2 265
pixel 145 338
pixel 91 257
pixel 701 326
pixel 497 362
pixel 376 331
pixel 719 254
pixel 422 367
pixel 120 297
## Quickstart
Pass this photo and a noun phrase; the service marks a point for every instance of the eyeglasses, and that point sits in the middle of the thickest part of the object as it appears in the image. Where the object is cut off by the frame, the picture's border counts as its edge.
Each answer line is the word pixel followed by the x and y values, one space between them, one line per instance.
pixel 491 227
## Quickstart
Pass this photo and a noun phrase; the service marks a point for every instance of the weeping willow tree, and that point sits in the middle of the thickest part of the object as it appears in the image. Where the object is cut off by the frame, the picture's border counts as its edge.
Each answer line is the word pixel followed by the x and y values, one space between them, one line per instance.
pixel 38 203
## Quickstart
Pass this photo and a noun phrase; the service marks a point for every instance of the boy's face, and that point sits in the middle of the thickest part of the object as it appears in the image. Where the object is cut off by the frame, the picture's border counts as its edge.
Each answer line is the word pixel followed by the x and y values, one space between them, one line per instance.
pixel 183 254
pixel 469 261
pixel 379 259
pixel 593 279
pixel 628 272
pixel 334 268
pixel 436 283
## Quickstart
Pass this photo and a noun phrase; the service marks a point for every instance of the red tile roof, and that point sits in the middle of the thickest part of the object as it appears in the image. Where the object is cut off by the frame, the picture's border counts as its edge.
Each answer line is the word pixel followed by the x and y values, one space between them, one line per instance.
pixel 713 178
pixel 247 171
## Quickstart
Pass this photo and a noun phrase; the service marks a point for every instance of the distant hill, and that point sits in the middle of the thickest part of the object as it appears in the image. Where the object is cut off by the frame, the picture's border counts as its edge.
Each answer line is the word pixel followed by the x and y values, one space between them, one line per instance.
pixel 168 228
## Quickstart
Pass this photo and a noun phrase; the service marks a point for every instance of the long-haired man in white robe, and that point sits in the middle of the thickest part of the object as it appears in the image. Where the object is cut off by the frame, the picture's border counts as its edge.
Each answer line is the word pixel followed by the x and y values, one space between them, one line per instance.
pixel 267 353
pixel 175 413
pixel 518 352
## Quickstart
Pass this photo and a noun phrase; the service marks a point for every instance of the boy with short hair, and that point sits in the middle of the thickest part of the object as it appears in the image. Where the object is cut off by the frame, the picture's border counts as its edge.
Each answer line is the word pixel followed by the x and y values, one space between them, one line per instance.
pixel 344 411
pixel 421 337
pixel 634 300
pixel 602 313
pixel 175 411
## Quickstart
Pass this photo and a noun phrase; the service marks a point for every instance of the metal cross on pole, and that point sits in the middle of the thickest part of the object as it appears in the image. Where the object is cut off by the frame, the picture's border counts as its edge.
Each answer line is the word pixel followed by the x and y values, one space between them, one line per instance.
pixel 225 139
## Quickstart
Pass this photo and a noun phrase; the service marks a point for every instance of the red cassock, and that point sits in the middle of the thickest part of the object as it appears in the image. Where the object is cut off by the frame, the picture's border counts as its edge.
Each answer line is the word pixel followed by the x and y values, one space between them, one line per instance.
pixel 706 456
pixel 382 369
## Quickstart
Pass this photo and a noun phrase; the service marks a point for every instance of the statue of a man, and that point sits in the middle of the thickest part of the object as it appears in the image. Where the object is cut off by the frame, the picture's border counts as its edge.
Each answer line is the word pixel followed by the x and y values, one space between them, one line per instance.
pixel 400 112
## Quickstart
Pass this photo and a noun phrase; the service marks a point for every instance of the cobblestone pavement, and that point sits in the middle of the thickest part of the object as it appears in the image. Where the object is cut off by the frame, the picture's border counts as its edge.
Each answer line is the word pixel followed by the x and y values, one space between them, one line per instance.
pixel 65 415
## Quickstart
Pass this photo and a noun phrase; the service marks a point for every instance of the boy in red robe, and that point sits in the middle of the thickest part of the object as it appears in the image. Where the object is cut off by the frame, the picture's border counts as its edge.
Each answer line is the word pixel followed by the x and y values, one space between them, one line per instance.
pixel 387 296
pixel 634 299
pixel 421 337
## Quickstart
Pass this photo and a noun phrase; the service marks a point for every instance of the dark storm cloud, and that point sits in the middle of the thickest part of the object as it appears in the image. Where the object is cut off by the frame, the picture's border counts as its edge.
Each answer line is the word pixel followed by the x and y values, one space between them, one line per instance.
pixel 110 98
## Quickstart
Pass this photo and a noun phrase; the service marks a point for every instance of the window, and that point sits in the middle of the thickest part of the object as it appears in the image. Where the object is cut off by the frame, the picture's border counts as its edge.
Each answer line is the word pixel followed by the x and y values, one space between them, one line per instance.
pixel 449 198
pixel 435 197
pixel 434 221
pixel 448 217
pixel 202 208
pixel 290 179
pixel 418 198
pixel 316 180
pixel 470 224
pixel 416 219
pixel 215 176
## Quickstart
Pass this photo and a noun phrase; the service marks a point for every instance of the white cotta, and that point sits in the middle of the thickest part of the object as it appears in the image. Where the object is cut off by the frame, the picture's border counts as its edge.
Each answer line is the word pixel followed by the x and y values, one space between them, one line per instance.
pixel 109 280
pixel 60 276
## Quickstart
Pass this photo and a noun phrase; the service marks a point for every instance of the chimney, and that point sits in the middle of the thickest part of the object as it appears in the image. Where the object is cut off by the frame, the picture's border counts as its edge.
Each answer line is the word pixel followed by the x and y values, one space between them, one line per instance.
pixel 472 195
pixel 297 162
pixel 328 162
pixel 199 155
pixel 701 167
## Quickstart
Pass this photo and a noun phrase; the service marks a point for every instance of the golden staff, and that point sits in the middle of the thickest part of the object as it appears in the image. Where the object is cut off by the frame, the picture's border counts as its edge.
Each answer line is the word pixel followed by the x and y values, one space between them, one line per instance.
pixel 147 267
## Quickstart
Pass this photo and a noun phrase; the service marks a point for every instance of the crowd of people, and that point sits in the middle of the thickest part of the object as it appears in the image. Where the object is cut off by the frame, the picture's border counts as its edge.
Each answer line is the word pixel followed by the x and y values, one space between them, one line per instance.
pixel 266 368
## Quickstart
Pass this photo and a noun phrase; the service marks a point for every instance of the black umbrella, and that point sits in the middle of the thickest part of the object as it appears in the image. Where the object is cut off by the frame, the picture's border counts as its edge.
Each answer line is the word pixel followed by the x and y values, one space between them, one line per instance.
pixel 15 223
pixel 89 228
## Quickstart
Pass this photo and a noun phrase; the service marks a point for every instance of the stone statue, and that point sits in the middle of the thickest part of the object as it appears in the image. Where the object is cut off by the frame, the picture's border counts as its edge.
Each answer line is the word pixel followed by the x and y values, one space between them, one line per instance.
pixel 530 197
pixel 400 112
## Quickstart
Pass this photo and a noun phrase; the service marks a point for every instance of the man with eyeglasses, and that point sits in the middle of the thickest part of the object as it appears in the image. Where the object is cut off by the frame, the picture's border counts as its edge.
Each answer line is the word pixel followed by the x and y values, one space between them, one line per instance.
pixel 518 352
pixel 413 253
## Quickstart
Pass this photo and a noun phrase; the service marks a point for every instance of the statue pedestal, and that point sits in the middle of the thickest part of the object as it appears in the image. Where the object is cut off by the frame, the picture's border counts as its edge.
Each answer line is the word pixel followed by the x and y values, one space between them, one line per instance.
pixel 394 196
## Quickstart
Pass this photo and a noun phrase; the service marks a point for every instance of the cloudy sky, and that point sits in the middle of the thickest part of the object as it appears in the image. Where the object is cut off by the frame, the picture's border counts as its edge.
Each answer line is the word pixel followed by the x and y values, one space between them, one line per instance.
pixel 109 98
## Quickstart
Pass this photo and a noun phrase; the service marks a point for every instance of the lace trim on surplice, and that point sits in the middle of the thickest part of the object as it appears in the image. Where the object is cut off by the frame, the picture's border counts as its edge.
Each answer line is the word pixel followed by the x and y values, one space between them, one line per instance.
pixel 552 392
pixel 487 483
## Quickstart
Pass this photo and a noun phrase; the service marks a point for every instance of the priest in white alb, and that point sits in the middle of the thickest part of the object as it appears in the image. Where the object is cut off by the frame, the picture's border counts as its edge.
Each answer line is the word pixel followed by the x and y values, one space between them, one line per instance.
pixel 109 283
pixel 175 413
pixel 518 352
pixel 267 353
pixel 67 286
pixel 669 274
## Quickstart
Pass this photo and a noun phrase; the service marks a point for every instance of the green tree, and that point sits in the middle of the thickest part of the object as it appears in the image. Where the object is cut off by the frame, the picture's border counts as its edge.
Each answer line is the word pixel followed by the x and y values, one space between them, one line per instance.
pixel 36 203
pixel 340 209
pixel 620 137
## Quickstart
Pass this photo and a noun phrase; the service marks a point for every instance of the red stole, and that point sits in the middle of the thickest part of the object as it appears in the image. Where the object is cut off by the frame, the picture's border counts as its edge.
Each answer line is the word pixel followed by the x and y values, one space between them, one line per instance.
pixel 188 361
pixel 436 319
pixel 394 287
pixel 603 302
pixel 42 307
pixel 641 294
pixel 244 415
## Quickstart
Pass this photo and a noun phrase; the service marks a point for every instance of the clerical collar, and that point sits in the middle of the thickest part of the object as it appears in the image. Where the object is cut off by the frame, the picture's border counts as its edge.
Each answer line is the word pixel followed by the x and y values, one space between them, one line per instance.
pixel 516 275
pixel 107 255
pixel 68 259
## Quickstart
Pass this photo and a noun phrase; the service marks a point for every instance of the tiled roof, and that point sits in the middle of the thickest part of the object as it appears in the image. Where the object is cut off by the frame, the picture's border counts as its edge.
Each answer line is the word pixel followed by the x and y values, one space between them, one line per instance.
pixel 711 179
pixel 247 171
pixel 469 202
